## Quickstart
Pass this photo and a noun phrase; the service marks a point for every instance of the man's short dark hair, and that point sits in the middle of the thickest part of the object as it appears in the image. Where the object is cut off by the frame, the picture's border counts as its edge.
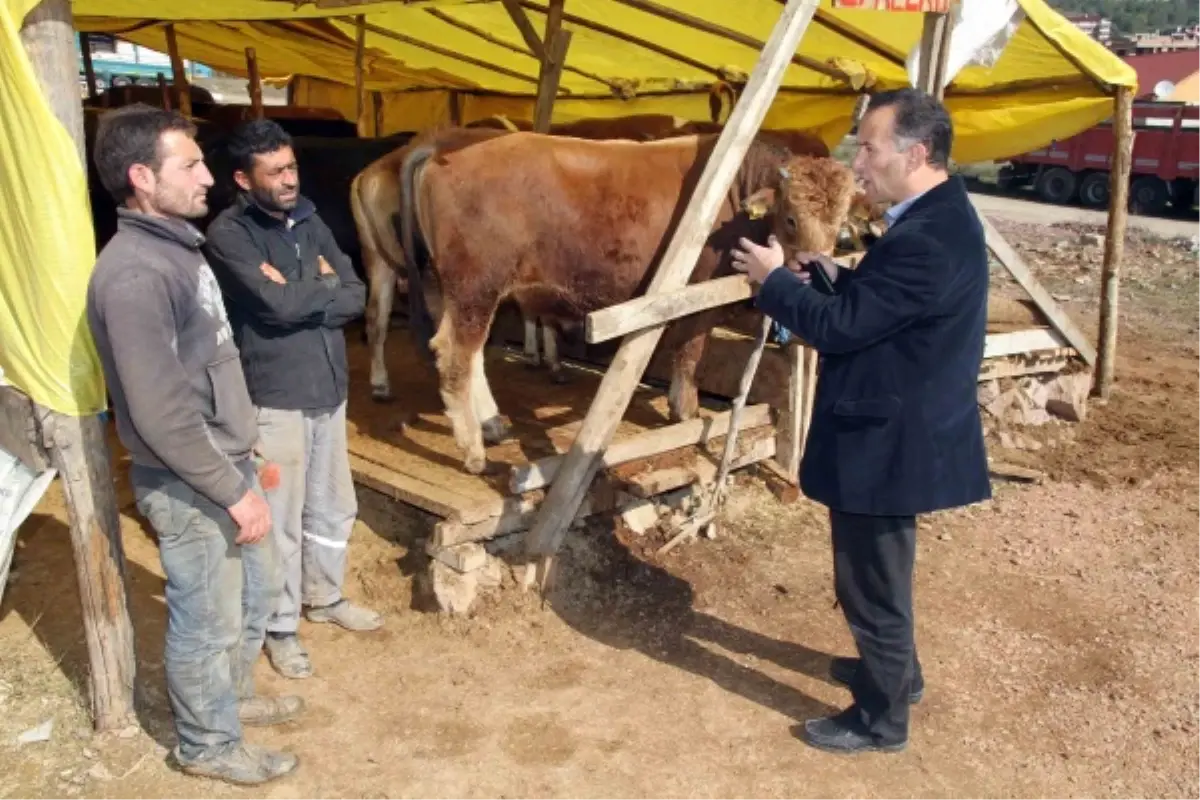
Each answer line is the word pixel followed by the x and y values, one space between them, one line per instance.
pixel 256 137
pixel 130 135
pixel 920 118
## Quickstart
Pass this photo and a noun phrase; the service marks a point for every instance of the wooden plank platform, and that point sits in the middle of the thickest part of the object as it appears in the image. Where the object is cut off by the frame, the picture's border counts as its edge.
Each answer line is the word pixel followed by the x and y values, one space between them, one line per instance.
pixel 405 448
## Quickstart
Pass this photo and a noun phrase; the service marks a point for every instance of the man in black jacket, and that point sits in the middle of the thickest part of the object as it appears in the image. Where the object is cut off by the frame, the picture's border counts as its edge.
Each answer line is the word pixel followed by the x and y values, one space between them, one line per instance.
pixel 895 429
pixel 290 291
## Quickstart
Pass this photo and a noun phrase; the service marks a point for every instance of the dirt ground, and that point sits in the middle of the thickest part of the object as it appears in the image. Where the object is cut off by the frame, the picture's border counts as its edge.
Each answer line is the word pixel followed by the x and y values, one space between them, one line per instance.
pixel 1057 625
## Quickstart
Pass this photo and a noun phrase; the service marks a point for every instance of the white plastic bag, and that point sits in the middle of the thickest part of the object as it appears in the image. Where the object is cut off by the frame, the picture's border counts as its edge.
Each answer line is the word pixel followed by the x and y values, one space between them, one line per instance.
pixel 20 490
pixel 982 29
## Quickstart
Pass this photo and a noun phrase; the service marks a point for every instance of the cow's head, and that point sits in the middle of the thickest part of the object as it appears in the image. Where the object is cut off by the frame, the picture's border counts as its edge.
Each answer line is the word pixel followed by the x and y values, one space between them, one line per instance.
pixel 809 204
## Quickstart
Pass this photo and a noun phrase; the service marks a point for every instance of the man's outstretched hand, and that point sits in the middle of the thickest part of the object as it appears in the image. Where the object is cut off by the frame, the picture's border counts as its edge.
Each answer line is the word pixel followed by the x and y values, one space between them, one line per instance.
pixel 757 261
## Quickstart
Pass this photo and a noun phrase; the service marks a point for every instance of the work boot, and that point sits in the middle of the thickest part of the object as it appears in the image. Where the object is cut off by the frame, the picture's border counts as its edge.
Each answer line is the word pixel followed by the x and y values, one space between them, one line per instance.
pixel 842 670
pixel 245 765
pixel 287 656
pixel 346 614
pixel 259 710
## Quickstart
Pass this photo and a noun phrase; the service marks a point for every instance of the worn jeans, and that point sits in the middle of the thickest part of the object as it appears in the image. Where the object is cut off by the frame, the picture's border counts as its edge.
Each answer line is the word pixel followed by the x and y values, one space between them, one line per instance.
pixel 313 508
pixel 219 595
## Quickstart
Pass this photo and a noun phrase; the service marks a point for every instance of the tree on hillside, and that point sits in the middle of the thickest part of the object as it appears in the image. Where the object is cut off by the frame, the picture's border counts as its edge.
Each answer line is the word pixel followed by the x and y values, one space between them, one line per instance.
pixel 1136 16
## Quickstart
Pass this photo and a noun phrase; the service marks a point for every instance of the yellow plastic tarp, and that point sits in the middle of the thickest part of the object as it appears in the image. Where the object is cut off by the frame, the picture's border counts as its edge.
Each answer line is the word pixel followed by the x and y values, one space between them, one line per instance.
pixel 1050 82
pixel 47 246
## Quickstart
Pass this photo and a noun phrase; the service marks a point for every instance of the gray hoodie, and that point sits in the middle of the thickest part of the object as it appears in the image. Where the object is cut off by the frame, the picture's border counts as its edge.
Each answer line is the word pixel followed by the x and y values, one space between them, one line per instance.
pixel 172 368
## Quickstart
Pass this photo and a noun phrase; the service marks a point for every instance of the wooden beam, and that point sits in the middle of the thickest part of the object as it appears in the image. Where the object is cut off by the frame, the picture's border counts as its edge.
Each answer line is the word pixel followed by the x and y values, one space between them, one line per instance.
pixel 1114 238
pixel 613 86
pixel 647 310
pixel 556 43
pixel 1017 364
pixel 542 472
pixel 699 24
pixel 701 470
pixel 183 92
pixel 254 84
pixel 617 387
pixel 1016 266
pixel 360 84
pixel 76 445
pixel 441 51
pixel 89 70
pixel 935 47
pixel 581 22
pixel 1014 342
pixel 521 20
pixel 164 92
pixel 789 431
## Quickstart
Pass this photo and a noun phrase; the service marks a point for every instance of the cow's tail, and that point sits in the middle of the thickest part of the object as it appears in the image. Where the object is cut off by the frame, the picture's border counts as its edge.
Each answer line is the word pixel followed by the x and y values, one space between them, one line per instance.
pixel 415 250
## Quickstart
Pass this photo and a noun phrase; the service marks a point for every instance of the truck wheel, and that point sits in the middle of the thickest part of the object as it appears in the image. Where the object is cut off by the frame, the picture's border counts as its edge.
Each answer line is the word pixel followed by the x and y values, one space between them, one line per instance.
pixel 1148 195
pixel 1183 194
pixel 1093 190
pixel 1057 185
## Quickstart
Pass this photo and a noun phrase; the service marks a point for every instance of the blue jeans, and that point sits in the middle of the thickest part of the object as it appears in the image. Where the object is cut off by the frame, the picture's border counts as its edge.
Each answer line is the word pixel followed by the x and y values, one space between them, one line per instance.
pixel 219 595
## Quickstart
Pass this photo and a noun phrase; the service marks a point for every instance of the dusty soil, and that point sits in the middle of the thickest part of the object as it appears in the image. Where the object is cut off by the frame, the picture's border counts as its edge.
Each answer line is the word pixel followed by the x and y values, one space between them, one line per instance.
pixel 1057 624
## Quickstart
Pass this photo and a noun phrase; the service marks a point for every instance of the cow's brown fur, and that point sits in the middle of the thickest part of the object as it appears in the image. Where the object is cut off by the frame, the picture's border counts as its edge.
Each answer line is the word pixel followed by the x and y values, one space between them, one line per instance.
pixel 565 227
pixel 376 197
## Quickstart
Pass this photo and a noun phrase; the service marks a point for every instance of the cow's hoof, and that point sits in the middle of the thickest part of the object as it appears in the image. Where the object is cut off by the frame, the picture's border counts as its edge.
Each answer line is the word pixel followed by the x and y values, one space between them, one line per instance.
pixel 533 363
pixel 381 394
pixel 475 465
pixel 496 430
pixel 560 376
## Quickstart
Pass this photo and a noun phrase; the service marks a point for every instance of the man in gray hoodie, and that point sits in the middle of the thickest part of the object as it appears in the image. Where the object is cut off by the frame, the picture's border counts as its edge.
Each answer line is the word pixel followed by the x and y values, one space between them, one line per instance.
pixel 184 414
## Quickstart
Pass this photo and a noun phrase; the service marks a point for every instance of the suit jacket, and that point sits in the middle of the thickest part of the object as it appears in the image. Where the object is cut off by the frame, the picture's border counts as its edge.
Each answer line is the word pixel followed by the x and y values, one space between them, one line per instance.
pixel 896 427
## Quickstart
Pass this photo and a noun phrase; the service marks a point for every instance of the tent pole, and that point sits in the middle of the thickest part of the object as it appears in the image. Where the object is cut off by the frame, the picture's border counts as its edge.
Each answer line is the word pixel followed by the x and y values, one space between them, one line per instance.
pixel 554 50
pixel 254 83
pixel 1114 241
pixel 360 84
pixel 89 70
pixel 76 446
pixel 183 92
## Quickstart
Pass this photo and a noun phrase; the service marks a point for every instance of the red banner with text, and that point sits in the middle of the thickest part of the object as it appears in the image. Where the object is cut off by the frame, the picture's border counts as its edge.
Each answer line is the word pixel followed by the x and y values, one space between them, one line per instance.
pixel 936 6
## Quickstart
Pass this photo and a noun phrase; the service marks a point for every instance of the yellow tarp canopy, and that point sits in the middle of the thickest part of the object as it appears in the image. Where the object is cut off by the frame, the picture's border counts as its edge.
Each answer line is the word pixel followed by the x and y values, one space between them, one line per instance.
pixel 436 59
pixel 632 56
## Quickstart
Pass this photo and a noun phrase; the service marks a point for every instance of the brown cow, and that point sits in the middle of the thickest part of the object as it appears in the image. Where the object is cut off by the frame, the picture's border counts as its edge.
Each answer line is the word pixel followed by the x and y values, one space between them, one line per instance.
pixel 568 226
pixel 375 203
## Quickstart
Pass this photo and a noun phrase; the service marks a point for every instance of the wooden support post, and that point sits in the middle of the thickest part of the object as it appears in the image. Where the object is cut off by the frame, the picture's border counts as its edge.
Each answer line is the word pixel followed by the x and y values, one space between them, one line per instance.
pixel 542 472
pixel 164 92
pixel 647 310
pixel 254 84
pixel 360 80
pixel 617 387
pixel 935 48
pixel 76 445
pixel 1114 240
pixel 528 32
pixel 810 393
pixel 789 431
pixel 183 92
pixel 554 51
pixel 89 70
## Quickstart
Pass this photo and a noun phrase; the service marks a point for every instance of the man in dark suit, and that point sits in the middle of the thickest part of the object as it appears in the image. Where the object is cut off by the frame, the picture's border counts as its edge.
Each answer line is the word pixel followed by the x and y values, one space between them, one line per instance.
pixel 896 430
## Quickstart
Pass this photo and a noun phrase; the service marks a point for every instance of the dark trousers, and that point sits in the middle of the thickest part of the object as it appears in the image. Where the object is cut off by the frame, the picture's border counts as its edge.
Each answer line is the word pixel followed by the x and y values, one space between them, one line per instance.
pixel 873 576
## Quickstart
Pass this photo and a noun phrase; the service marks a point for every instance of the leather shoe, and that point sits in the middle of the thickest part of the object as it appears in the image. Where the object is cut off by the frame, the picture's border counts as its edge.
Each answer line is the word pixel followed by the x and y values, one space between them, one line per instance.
pixel 842 670
pixel 844 733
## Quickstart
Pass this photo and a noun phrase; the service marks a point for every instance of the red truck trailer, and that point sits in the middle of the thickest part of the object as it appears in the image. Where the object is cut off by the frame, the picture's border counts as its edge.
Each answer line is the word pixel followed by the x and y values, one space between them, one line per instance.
pixel 1166 151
